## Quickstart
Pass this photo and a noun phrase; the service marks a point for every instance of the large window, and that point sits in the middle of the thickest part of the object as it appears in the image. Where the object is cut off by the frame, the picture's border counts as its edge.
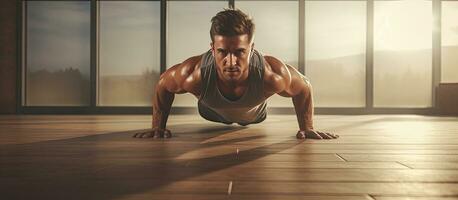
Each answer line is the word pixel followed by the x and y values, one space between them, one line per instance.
pixel 188 34
pixel 110 55
pixel 129 45
pixel 335 52
pixel 449 42
pixel 276 34
pixel 402 53
pixel 276 28
pixel 57 62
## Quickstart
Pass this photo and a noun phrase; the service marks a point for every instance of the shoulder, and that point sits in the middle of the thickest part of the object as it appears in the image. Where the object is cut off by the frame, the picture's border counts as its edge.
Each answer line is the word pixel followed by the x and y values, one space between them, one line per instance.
pixel 273 61
pixel 187 67
pixel 183 77
pixel 192 73
pixel 275 66
pixel 277 77
pixel 183 70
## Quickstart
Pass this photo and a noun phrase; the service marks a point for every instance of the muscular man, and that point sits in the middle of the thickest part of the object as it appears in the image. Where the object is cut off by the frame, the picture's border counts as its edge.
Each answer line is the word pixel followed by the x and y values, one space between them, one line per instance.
pixel 232 81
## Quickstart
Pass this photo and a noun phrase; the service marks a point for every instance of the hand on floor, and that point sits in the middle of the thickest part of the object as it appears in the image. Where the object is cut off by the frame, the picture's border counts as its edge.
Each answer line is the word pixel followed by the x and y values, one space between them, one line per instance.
pixel 154 133
pixel 312 134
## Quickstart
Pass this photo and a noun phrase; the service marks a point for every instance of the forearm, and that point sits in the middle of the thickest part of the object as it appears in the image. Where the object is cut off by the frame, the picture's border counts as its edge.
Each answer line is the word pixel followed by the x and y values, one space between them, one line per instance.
pixel 303 105
pixel 162 103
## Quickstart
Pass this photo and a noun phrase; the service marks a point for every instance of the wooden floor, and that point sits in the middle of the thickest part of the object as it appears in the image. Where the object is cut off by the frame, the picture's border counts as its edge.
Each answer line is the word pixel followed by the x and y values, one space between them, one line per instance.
pixel 388 157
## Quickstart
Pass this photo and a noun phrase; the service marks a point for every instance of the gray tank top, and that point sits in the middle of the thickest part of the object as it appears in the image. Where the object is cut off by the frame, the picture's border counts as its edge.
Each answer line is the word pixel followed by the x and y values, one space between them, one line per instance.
pixel 249 108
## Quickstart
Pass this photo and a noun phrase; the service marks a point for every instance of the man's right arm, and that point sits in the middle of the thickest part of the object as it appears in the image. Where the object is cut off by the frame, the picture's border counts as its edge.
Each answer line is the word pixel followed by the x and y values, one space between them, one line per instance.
pixel 162 101
pixel 180 78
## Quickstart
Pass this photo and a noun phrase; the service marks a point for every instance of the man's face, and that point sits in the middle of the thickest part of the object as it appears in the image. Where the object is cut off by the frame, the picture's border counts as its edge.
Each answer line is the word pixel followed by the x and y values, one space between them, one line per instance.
pixel 232 56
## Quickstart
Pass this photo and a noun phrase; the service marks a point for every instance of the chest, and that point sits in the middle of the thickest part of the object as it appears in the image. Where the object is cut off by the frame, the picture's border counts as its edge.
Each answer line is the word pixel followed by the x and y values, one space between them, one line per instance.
pixel 232 93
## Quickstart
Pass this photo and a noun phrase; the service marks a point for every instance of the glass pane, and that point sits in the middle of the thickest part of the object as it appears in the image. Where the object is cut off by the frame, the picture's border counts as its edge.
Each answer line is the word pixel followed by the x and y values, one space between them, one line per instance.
pixel 129 51
pixel 449 42
pixel 402 53
pixel 57 53
pixel 335 52
pixel 188 32
pixel 282 41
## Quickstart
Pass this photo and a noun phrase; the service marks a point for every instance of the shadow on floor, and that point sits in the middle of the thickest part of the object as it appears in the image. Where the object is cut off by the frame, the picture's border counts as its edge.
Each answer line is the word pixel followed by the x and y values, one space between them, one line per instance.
pixel 114 165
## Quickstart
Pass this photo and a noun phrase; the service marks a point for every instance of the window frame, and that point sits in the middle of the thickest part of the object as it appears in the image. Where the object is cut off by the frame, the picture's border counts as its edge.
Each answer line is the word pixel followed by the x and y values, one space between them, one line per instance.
pixel 93 108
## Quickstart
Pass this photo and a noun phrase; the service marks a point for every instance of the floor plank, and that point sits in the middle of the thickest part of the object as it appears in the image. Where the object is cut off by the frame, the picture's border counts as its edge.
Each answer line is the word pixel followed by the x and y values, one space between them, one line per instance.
pixel 95 157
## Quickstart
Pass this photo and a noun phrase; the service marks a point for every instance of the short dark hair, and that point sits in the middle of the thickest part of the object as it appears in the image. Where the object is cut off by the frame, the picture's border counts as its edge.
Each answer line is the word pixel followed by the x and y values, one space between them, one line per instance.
pixel 231 22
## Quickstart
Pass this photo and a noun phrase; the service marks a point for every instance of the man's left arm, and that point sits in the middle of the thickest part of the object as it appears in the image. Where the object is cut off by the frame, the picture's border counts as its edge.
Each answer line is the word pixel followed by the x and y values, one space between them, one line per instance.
pixel 295 85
